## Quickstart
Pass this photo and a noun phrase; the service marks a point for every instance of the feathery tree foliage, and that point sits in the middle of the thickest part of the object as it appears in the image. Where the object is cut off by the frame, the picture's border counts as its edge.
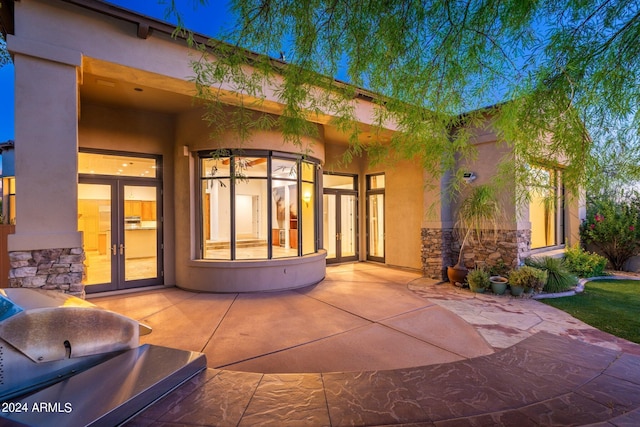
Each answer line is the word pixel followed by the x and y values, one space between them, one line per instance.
pixel 561 77
pixel 5 58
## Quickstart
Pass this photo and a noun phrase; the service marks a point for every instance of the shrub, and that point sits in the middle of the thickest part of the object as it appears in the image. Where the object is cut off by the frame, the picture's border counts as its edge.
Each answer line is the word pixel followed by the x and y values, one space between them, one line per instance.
pixel 559 279
pixel 499 269
pixel 583 263
pixel 613 226
pixel 528 277
pixel 479 278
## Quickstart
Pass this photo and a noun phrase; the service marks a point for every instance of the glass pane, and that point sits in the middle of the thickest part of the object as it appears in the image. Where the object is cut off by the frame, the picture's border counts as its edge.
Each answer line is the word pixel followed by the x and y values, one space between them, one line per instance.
pixel 308 219
pixel 376 225
pixel 347 225
pixel 308 171
pixel 140 233
pixel 215 167
pixel 376 182
pixel 284 169
pixel 109 164
pixel 542 214
pixel 251 166
pixel 339 181
pixel 94 220
pixel 284 223
pixel 216 219
pixel 251 219
pixel 329 224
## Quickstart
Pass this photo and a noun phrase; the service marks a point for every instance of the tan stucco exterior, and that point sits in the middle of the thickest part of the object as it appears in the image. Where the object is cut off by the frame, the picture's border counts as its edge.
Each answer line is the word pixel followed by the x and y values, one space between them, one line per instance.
pixel 95 78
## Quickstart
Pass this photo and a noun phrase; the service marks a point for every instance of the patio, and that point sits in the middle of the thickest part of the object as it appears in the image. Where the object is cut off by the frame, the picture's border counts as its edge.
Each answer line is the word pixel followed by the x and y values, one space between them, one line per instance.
pixel 376 346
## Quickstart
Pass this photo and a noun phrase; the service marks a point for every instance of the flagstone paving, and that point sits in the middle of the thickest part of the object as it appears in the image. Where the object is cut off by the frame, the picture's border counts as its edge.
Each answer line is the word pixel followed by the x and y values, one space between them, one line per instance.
pixel 378 346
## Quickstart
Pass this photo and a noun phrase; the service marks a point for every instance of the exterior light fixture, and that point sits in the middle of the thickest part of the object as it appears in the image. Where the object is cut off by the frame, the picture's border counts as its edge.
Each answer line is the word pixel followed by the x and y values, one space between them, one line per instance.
pixel 306 198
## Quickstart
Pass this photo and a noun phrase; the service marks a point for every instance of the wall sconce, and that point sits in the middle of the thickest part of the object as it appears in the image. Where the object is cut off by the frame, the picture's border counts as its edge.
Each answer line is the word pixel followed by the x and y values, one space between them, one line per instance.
pixel 306 198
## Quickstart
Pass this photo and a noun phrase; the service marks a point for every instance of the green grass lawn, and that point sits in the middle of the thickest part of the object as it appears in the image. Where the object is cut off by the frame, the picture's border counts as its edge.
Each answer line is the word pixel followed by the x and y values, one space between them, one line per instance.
pixel 612 306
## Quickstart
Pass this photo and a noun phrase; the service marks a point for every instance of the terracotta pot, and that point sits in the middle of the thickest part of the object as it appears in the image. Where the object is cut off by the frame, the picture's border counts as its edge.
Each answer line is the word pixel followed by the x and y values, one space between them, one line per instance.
pixel 457 274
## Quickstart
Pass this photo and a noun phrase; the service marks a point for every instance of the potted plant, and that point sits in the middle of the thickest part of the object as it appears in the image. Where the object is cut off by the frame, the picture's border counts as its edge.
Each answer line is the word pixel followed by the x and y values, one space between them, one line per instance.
pixel 478 280
pixel 498 284
pixel 478 212
pixel 526 279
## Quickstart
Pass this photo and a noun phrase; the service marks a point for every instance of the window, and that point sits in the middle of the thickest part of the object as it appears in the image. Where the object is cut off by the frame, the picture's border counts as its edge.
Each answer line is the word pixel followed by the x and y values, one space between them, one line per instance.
pixel 257 205
pixel 546 211
pixel 375 217
pixel 9 200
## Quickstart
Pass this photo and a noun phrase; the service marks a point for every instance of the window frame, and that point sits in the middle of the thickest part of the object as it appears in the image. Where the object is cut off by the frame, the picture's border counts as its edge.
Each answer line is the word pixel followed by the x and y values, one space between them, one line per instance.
pixel 298 159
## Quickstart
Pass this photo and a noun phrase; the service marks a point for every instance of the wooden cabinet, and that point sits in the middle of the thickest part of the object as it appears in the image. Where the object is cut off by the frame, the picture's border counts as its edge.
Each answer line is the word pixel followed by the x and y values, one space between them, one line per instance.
pixel 132 208
pixel 148 211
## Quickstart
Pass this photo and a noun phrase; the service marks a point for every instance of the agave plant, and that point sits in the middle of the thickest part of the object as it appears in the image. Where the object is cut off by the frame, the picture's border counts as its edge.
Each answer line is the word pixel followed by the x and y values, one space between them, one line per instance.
pixel 559 278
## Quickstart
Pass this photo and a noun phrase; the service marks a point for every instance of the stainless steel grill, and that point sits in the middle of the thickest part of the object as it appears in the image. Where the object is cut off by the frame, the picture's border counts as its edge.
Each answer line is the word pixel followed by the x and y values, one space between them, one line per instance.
pixel 56 347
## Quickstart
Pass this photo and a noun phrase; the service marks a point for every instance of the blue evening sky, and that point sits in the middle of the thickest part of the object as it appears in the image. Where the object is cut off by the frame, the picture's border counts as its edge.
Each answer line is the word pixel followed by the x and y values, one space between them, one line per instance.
pixel 202 19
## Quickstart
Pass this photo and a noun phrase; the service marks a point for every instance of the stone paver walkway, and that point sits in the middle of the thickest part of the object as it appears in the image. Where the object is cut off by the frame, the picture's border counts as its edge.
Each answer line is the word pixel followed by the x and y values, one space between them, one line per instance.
pixel 377 346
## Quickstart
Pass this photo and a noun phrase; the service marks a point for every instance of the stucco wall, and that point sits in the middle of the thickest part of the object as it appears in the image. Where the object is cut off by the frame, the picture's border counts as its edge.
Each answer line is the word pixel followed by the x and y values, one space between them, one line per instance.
pixel 404 210
pixel 135 131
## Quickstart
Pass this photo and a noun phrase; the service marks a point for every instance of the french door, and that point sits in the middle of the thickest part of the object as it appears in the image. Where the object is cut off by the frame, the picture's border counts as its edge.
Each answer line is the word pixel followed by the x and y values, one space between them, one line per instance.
pixel 340 225
pixel 121 227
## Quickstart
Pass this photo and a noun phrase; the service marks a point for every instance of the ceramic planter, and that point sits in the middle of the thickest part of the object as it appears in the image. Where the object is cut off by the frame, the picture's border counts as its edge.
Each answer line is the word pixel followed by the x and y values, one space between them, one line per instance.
pixel 516 291
pixel 498 284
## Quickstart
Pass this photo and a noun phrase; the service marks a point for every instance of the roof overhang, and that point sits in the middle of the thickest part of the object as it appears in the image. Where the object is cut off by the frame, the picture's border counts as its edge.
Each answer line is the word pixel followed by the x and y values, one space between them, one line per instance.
pixel 7 25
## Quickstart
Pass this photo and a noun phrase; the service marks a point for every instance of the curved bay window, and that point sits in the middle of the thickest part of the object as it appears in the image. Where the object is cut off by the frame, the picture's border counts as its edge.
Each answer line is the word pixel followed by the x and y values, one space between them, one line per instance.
pixel 257 205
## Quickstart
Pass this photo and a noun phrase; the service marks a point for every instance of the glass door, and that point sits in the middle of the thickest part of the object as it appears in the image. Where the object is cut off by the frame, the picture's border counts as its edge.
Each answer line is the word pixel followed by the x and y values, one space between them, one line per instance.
pixel 340 227
pixel 340 218
pixel 119 221
pixel 138 245
pixel 96 219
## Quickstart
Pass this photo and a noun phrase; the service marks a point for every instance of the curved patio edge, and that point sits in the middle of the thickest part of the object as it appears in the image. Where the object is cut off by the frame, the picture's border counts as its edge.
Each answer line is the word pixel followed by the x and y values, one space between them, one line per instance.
pixel 579 288
pixel 544 379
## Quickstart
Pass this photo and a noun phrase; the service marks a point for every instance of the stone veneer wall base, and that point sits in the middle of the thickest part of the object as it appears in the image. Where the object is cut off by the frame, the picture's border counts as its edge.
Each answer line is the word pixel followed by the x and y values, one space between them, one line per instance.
pixel 50 269
pixel 440 250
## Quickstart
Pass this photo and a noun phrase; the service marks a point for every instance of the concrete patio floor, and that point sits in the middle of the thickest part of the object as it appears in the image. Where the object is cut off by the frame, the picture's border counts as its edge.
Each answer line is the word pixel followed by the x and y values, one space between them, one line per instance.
pixel 371 345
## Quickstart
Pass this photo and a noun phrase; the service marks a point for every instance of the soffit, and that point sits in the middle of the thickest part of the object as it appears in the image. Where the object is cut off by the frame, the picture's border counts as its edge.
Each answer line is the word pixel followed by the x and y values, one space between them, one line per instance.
pixel 120 86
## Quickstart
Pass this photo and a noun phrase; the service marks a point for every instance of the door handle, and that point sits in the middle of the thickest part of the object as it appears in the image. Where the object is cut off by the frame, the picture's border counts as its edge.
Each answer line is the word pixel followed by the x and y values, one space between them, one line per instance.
pixel 121 249
pixel 114 250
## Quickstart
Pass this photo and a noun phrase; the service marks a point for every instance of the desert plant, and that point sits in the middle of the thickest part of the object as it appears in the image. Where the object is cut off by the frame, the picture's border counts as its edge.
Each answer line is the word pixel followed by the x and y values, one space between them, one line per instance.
pixel 478 280
pixel 499 269
pixel 613 226
pixel 583 263
pixel 478 213
pixel 528 277
pixel 559 279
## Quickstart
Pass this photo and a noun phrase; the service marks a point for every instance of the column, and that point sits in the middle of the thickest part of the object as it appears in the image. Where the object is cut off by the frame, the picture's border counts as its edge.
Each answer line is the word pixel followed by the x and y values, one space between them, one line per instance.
pixel 46 249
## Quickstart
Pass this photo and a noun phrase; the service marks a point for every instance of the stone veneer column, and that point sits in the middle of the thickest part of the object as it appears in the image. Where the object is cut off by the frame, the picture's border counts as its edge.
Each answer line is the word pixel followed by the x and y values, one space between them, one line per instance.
pixel 437 252
pixel 59 269
pixel 46 249
pixel 510 246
